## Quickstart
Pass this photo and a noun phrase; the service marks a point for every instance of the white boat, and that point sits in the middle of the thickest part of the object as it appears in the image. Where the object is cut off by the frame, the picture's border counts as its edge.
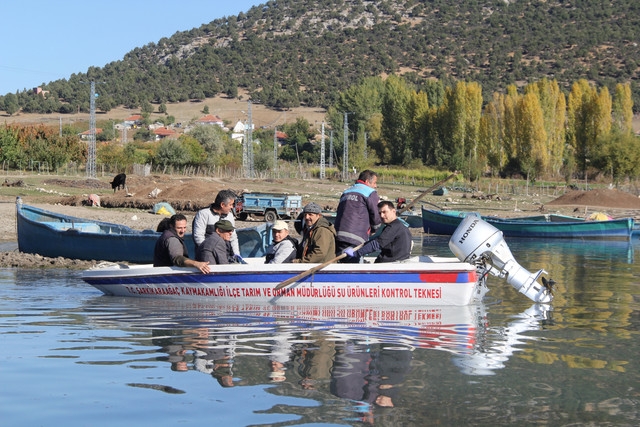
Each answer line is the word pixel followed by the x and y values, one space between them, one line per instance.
pixel 423 280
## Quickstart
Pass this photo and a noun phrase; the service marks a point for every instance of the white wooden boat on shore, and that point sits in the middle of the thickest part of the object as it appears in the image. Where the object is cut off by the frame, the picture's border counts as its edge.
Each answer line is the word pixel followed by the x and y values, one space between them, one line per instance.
pixel 424 280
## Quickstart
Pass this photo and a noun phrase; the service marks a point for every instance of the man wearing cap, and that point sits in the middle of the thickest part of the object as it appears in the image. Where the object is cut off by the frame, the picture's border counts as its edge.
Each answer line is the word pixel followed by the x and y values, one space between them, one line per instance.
pixel 357 215
pixel 216 248
pixel 170 248
pixel 284 247
pixel 318 236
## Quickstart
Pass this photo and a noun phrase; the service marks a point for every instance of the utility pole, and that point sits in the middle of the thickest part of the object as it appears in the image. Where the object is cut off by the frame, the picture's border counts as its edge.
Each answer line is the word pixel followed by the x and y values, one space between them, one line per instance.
pixel 345 150
pixel 275 151
pixel 91 148
pixel 250 141
pixel 322 171
pixel 331 149
pixel 365 145
pixel 91 155
pixel 247 146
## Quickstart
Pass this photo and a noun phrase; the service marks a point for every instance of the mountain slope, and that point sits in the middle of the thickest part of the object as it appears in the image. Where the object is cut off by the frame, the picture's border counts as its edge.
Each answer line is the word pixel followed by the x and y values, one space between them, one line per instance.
pixel 289 52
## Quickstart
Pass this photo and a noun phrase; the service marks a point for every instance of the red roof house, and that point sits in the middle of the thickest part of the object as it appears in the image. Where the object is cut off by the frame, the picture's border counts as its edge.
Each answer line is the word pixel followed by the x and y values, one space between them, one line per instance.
pixel 210 119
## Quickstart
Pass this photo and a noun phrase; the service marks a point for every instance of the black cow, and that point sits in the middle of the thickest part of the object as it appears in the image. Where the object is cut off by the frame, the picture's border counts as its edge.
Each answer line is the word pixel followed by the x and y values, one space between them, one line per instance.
pixel 119 180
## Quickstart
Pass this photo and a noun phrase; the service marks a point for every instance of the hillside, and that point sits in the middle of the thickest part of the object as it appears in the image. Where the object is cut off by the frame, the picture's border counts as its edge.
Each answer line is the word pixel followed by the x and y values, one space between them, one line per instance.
pixel 228 109
pixel 301 52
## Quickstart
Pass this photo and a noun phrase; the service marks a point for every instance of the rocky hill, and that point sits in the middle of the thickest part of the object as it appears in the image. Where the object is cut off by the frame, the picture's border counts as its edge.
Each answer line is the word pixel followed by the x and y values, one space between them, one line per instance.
pixel 291 52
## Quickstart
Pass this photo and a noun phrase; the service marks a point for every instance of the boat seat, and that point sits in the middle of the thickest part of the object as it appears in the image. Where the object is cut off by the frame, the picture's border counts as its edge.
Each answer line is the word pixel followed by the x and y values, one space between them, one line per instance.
pixel 74 226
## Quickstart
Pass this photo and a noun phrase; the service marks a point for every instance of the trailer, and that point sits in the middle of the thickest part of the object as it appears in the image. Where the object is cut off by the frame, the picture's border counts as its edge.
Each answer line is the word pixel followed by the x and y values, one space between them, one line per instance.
pixel 271 206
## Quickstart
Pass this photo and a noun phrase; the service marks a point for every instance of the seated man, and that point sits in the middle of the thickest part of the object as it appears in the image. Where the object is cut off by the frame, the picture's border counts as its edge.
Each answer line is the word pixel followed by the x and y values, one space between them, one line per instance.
pixel 283 249
pixel 394 242
pixel 318 236
pixel 216 248
pixel 170 248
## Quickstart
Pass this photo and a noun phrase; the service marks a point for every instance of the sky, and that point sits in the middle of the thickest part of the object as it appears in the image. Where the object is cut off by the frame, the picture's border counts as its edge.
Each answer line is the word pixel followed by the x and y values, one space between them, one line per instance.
pixel 45 40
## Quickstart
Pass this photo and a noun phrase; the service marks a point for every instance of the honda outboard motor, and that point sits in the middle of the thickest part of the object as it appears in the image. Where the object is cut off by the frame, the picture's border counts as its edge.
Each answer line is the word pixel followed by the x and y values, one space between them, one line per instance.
pixel 476 241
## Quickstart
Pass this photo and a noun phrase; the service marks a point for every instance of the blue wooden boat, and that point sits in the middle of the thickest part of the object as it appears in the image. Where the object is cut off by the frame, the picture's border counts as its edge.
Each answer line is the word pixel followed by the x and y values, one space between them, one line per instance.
pixel 57 235
pixel 539 226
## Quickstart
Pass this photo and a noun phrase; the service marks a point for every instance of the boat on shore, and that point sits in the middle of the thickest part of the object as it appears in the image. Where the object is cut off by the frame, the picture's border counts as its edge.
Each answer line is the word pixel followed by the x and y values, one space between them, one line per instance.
pixel 538 226
pixel 53 235
pixel 422 280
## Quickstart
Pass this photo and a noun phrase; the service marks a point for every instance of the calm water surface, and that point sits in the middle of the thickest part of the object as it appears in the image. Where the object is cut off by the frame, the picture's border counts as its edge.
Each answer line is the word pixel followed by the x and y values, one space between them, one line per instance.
pixel 71 356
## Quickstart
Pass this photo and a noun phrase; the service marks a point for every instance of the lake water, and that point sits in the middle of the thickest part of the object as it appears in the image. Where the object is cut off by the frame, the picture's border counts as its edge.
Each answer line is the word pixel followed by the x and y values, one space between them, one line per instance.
pixel 73 357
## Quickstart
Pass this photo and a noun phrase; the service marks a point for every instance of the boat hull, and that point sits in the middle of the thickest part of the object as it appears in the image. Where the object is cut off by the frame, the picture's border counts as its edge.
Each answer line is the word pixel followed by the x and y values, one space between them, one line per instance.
pixel 409 283
pixel 437 222
pixel 56 235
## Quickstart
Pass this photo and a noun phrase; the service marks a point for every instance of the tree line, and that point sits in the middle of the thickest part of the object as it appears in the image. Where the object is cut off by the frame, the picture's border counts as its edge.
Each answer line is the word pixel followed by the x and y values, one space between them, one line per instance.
pixel 538 131
pixel 535 132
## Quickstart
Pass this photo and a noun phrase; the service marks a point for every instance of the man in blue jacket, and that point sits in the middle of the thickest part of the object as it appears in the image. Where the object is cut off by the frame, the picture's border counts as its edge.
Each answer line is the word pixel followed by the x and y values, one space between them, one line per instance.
pixel 357 215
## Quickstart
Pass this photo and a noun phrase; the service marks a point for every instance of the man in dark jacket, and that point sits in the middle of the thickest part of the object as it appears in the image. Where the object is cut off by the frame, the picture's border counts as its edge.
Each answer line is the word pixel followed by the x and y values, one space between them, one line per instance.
pixel 318 236
pixel 170 248
pixel 357 215
pixel 216 248
pixel 394 242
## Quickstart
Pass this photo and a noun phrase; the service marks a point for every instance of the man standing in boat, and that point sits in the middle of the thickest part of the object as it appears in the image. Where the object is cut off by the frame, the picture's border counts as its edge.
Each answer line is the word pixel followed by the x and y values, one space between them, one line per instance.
pixel 394 242
pixel 284 247
pixel 357 214
pixel 216 248
pixel 205 219
pixel 170 249
pixel 318 236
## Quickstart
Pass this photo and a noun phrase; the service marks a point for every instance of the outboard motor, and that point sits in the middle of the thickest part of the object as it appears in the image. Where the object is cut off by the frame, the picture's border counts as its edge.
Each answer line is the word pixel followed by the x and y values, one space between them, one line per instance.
pixel 476 241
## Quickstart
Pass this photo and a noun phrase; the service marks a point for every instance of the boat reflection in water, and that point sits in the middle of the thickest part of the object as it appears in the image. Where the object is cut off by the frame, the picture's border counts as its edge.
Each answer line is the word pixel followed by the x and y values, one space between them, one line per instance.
pixel 357 353
pixel 603 250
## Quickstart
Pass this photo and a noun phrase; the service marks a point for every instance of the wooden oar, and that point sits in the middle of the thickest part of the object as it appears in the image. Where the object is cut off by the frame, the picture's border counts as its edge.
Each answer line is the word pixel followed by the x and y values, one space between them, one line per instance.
pixel 425 192
pixel 313 269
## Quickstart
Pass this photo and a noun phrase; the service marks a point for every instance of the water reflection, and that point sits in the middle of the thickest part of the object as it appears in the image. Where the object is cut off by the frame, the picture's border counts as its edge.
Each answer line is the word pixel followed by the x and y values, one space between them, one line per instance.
pixel 361 354
pixel 601 250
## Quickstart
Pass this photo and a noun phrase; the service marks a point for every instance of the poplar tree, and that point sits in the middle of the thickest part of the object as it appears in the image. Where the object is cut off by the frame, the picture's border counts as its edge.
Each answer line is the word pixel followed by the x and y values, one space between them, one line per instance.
pixel 461 109
pixel 395 125
pixel 511 123
pixel 623 109
pixel 553 104
pixel 531 136
pixel 419 124
pixel 491 136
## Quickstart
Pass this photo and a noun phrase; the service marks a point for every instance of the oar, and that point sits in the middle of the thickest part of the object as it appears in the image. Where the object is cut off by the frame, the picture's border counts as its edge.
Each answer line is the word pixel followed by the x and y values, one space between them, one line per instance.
pixel 428 190
pixel 313 269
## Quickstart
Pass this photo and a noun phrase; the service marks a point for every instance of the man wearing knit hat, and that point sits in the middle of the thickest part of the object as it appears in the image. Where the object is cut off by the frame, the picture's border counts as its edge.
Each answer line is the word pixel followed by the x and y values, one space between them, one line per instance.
pixel 318 236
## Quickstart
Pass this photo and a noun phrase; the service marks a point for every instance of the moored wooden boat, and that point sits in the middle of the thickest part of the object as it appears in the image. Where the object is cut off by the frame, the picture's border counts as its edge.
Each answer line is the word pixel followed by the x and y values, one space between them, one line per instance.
pixel 539 226
pixel 52 234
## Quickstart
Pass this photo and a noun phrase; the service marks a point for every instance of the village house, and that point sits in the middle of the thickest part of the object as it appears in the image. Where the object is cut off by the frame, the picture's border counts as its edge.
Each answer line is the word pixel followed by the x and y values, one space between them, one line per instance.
pixel 86 133
pixel 210 119
pixel 164 132
pixel 133 121
pixel 238 131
